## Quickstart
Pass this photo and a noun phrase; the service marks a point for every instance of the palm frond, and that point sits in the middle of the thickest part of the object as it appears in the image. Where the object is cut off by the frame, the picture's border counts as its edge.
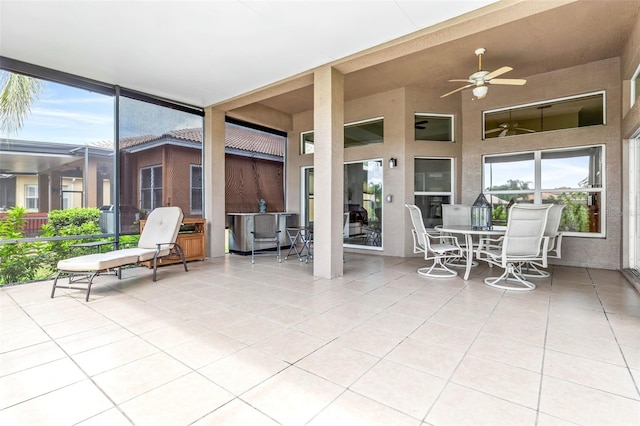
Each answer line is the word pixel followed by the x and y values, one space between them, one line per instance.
pixel 17 95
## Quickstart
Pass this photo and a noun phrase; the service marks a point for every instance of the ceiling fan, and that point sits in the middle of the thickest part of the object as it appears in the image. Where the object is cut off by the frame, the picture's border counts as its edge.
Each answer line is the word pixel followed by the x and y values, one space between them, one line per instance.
pixel 481 78
pixel 508 129
pixel 420 124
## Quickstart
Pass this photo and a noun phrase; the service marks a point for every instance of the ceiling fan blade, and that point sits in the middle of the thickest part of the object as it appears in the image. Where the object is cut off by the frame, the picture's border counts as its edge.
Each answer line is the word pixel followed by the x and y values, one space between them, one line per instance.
pixel 497 72
pixel 509 81
pixel 525 130
pixel 463 80
pixel 503 133
pixel 457 90
pixel 499 129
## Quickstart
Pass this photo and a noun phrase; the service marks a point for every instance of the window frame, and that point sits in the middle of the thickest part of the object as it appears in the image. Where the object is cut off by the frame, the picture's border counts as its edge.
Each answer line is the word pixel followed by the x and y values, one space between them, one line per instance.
pixel 634 93
pixel 451 194
pixel 152 188
pixel 546 102
pixel 537 190
pixel 192 188
pixel 302 146
pixel 31 187
pixel 424 115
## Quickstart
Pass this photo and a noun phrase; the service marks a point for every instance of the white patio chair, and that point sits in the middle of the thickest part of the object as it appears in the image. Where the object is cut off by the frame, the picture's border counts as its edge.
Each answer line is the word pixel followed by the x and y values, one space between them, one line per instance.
pixel 530 269
pixel 458 215
pixel 441 249
pixel 523 242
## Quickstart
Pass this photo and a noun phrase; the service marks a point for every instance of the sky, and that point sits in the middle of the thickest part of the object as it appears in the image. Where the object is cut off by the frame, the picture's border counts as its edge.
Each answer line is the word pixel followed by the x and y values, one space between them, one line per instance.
pixel 68 115
pixel 65 114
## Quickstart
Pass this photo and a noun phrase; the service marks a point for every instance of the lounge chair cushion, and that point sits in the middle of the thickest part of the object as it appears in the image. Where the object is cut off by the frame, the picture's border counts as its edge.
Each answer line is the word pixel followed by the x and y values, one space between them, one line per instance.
pixel 98 261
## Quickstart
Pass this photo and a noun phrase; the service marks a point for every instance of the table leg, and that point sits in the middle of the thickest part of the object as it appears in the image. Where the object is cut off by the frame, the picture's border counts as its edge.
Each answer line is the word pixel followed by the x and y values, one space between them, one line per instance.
pixel 469 241
pixel 294 245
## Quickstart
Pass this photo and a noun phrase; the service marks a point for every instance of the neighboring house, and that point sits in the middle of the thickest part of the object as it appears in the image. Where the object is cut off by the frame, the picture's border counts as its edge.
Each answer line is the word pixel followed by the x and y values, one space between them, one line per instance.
pixel 157 171
pixel 169 170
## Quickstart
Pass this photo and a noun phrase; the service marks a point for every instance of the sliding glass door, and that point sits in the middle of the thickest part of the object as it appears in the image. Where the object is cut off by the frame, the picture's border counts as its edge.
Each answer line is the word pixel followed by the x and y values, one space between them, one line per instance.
pixel 362 205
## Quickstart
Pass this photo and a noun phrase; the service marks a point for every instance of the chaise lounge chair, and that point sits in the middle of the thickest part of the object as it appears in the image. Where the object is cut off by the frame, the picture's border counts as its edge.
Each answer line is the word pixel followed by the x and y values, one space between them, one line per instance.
pixel 158 239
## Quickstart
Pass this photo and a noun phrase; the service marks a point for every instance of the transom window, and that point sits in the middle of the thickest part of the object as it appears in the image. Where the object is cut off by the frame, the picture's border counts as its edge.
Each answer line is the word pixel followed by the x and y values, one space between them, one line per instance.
pixel 573 177
pixel 563 113
pixel 358 133
pixel 433 127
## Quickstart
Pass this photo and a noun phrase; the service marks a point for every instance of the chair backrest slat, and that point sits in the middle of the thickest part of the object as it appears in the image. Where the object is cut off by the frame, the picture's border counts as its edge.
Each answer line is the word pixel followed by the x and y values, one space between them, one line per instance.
pixel 525 229
pixel 265 225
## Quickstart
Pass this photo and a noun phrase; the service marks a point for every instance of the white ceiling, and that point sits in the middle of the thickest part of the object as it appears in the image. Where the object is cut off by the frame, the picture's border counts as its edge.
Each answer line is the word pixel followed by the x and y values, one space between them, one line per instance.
pixel 204 52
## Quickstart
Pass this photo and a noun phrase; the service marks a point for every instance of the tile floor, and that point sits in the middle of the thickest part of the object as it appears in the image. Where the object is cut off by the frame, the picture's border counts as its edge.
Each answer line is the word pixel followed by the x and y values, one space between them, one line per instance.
pixel 231 343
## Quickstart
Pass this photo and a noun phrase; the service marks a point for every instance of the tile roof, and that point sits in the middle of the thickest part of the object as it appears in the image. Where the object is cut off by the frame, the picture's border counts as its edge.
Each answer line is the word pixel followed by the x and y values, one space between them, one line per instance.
pixel 237 137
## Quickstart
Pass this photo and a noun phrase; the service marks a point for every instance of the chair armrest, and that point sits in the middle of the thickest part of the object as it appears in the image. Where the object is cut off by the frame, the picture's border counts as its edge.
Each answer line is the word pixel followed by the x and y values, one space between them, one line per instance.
pixel 489 243
pixel 444 239
pixel 168 245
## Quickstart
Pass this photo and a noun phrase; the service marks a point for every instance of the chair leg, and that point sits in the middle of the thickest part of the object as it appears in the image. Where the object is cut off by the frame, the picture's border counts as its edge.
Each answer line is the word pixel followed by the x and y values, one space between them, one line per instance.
pixel 155 266
pixel 510 275
pixel 253 251
pixel 278 249
pixel 181 253
pixel 437 270
pixel 55 282
pixel 530 270
pixel 88 277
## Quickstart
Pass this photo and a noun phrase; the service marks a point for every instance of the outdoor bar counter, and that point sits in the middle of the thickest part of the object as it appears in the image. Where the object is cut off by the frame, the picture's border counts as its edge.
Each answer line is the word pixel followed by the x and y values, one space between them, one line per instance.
pixel 241 224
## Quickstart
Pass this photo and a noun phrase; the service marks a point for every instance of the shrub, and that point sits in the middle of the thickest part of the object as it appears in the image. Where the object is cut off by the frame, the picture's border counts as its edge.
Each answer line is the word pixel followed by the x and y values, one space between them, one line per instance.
pixel 76 221
pixel 18 261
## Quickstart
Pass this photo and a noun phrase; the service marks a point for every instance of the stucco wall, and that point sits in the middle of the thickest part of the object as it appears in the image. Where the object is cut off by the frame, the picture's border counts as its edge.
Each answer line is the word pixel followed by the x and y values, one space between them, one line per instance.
pixel 390 105
pixel 603 75
pixel 398 106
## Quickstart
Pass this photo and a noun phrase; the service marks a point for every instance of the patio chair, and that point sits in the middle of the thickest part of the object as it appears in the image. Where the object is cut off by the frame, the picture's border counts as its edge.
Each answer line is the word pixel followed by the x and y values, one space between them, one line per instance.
pixel 157 240
pixel 523 242
pixel 441 248
pixel 458 215
pixel 530 269
pixel 265 229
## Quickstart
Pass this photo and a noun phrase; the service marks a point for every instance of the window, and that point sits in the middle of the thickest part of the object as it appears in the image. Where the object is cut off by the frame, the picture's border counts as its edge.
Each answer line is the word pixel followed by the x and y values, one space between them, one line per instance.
pixel 433 127
pixel 196 189
pixel 433 187
pixel 573 177
pixel 150 188
pixel 358 133
pixel 31 197
pixel 564 113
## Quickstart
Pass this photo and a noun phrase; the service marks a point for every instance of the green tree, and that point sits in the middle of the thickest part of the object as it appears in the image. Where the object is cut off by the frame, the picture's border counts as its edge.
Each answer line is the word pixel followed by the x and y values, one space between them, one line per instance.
pixel 17 94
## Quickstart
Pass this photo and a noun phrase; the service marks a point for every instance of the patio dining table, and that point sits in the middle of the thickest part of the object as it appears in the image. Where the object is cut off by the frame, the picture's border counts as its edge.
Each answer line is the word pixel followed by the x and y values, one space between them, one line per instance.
pixel 468 233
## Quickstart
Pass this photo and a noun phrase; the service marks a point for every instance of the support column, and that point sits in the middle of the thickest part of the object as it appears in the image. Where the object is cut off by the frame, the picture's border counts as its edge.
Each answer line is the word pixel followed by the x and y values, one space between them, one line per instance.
pixel 328 129
pixel 214 181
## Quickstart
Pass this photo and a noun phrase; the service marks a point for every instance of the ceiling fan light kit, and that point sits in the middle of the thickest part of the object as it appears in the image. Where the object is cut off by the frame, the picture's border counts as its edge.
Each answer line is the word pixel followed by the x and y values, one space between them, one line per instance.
pixel 480 91
pixel 479 79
